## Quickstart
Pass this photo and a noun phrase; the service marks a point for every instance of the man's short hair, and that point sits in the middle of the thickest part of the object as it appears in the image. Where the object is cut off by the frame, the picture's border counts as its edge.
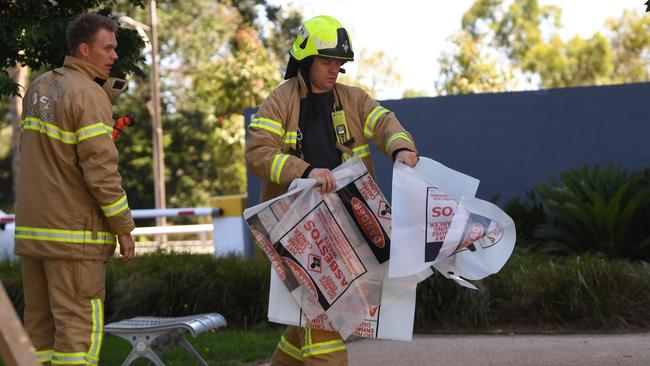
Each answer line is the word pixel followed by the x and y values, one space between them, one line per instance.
pixel 84 28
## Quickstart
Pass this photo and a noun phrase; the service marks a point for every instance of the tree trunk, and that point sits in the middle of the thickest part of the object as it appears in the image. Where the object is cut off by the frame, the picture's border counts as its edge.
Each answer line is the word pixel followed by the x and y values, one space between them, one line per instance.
pixel 20 75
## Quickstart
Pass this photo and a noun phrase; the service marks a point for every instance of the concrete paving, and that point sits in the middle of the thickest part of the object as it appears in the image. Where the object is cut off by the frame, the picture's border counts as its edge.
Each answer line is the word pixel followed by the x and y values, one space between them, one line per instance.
pixel 502 350
pixel 505 350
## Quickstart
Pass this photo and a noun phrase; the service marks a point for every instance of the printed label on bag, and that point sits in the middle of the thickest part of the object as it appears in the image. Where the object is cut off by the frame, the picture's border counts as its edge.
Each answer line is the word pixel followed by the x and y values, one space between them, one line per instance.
pixel 371 213
pixel 439 212
pixel 479 230
pixel 321 251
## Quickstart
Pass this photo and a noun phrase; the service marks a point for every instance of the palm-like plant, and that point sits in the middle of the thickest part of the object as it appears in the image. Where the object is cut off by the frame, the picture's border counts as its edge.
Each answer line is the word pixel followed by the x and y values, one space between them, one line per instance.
pixel 604 210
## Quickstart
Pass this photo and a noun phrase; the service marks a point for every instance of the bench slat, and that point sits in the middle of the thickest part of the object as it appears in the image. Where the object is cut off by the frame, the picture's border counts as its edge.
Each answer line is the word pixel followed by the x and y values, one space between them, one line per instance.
pixel 195 324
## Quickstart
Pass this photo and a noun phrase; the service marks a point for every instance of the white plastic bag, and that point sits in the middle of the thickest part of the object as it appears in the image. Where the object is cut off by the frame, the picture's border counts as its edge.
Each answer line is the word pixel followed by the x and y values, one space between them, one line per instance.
pixel 438 222
pixel 331 254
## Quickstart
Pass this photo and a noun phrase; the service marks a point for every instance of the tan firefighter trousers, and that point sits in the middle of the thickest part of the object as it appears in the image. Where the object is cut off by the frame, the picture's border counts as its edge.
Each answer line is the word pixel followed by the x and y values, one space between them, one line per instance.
pixel 64 310
pixel 310 347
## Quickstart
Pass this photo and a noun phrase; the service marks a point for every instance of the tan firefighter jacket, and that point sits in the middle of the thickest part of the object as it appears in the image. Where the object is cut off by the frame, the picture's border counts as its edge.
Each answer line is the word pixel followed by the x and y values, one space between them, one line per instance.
pixel 273 133
pixel 70 202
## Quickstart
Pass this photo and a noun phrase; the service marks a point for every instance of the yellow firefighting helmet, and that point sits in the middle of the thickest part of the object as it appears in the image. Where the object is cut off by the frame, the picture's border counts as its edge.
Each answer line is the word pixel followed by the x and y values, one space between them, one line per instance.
pixel 322 36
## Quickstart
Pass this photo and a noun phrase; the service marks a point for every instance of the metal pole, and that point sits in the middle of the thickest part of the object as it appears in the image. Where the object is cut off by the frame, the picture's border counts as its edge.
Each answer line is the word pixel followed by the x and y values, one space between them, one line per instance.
pixel 158 154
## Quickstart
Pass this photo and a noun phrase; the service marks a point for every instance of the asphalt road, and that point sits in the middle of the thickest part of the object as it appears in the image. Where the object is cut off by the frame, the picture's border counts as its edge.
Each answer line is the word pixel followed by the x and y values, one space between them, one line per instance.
pixel 505 350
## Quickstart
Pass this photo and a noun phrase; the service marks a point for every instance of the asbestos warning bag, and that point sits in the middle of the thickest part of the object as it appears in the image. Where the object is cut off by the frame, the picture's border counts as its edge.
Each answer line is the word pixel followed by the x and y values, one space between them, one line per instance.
pixel 330 251
pixel 438 222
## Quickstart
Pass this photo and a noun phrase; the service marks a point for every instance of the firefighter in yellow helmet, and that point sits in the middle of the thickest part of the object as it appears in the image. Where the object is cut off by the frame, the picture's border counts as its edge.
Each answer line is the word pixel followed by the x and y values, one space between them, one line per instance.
pixel 307 126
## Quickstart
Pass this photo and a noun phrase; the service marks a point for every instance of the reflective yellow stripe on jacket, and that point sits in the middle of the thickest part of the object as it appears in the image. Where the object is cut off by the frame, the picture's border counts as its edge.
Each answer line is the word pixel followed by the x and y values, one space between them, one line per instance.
pixel 291 138
pixel 67 137
pixel 320 348
pixel 93 130
pixel 268 125
pixel 362 151
pixel 116 207
pixel 396 136
pixel 276 167
pixel 371 120
pixel 64 236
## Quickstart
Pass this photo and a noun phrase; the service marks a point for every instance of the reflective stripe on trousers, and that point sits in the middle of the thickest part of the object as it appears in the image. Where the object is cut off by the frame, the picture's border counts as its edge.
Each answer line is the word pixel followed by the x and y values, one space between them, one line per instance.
pixel 288 348
pixel 310 349
pixel 320 348
pixel 44 355
pixel 96 337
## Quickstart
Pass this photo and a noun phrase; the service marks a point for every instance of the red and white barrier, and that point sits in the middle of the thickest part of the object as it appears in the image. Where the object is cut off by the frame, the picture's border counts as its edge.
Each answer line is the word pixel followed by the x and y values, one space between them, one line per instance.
pixel 6 219
pixel 227 232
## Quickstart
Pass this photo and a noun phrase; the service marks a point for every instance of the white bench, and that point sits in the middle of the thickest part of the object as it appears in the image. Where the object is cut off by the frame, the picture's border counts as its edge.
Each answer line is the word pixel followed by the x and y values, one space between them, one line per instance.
pixel 153 336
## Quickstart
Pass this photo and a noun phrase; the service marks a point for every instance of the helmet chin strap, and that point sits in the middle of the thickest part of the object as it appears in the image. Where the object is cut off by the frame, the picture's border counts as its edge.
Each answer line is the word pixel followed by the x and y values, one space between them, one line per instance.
pixel 342 71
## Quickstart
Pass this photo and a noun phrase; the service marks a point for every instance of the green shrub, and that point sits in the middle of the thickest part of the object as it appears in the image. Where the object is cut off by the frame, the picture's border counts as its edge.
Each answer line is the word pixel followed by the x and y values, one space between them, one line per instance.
pixel 534 291
pixel 527 214
pixel 604 210
pixel 531 292
pixel 11 278
pixel 175 285
pixel 182 284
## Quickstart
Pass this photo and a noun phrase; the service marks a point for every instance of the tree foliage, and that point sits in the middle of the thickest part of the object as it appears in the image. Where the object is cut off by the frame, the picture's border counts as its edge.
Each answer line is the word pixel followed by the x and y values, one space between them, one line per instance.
pixel 630 35
pixel 376 72
pixel 471 68
pixel 217 59
pixel 33 34
pixel 524 38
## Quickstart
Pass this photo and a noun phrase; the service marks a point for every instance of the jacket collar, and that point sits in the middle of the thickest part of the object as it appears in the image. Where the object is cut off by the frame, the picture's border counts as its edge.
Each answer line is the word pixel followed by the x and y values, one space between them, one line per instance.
pixel 302 85
pixel 91 71
pixel 302 88
pixel 112 86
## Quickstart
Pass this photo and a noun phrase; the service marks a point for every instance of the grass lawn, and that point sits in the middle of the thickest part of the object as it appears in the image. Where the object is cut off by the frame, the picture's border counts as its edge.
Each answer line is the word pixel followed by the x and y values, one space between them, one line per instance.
pixel 231 347
pixel 234 347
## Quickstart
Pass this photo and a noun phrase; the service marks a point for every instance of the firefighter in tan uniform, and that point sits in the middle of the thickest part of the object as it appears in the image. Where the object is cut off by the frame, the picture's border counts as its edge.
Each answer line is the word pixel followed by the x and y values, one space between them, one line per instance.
pixel 70 205
pixel 307 126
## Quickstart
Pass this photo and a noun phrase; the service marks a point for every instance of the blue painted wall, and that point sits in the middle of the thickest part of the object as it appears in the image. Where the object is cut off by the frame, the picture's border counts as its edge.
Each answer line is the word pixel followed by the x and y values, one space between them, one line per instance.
pixel 513 141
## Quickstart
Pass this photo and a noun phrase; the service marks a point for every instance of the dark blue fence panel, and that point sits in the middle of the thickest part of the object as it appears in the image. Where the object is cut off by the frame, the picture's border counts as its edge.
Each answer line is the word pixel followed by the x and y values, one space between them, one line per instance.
pixel 513 141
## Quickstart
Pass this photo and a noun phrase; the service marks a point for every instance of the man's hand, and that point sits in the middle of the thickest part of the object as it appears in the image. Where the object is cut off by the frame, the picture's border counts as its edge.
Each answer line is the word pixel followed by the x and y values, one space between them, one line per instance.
pixel 407 157
pixel 127 247
pixel 325 178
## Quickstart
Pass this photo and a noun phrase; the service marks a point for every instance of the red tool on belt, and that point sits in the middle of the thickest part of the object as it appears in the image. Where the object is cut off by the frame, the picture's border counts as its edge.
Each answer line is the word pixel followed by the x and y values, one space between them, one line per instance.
pixel 120 122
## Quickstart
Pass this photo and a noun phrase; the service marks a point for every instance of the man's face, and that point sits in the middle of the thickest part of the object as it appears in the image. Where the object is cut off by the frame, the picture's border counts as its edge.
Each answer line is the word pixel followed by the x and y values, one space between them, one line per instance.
pixel 323 74
pixel 101 51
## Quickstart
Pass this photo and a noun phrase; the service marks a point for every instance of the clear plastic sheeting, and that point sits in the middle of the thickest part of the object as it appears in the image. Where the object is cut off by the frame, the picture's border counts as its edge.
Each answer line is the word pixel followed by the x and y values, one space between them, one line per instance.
pixel 391 319
pixel 438 222
pixel 330 254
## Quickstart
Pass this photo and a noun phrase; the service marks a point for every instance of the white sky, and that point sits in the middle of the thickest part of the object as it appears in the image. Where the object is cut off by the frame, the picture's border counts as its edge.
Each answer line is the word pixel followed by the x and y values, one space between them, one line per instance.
pixel 415 34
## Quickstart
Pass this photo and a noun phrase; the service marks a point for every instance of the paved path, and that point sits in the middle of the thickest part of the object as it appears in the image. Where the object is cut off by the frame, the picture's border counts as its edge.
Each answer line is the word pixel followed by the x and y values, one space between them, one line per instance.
pixel 505 350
